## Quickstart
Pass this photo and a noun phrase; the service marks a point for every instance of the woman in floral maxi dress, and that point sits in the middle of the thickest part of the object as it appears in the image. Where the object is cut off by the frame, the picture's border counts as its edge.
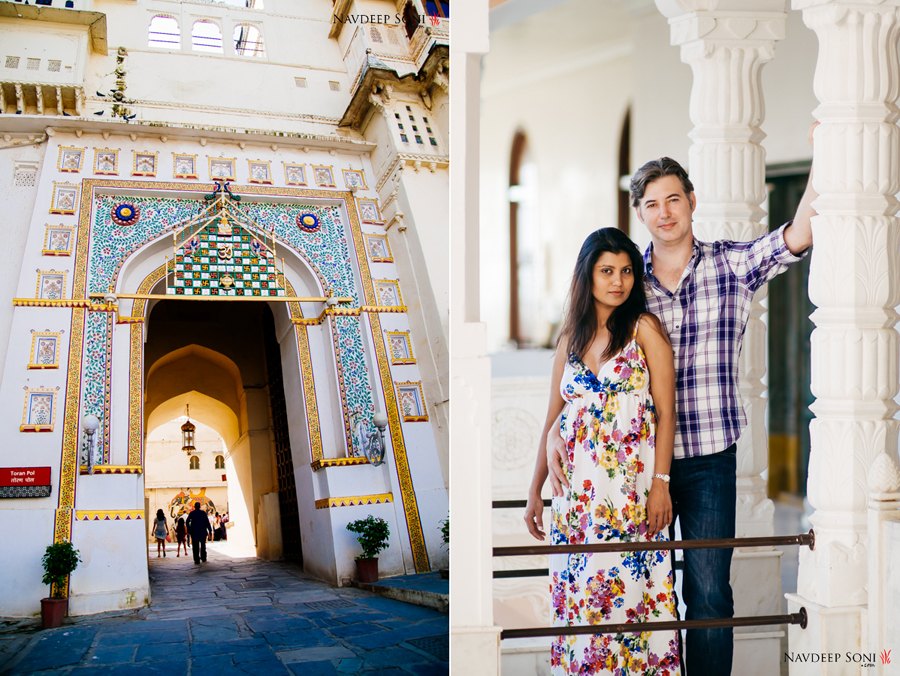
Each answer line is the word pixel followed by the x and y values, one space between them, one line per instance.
pixel 618 425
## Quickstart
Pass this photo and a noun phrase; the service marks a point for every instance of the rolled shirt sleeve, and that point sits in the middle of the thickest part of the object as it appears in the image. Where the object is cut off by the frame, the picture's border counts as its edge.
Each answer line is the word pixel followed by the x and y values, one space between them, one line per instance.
pixel 756 262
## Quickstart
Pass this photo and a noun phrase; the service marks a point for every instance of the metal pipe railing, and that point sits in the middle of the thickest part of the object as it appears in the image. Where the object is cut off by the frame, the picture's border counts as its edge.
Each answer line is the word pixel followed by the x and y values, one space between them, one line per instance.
pixel 800 618
pixel 640 627
pixel 808 539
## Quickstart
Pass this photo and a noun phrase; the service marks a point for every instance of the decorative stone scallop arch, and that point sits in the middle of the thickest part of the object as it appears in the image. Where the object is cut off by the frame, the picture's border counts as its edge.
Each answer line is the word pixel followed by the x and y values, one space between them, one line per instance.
pixel 211 41
pixel 158 36
pixel 247 39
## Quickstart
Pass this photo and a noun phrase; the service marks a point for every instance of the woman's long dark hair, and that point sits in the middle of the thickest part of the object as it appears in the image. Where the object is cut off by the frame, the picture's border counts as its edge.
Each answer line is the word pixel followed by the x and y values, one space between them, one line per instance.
pixel 580 323
pixel 160 515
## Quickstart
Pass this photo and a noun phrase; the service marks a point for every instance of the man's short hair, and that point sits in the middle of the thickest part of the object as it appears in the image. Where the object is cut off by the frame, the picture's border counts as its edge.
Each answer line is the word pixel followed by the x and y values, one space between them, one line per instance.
pixel 196 505
pixel 656 169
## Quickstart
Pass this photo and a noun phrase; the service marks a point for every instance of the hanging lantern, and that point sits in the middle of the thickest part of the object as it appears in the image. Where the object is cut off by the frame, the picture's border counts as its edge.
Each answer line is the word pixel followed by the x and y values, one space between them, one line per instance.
pixel 187 433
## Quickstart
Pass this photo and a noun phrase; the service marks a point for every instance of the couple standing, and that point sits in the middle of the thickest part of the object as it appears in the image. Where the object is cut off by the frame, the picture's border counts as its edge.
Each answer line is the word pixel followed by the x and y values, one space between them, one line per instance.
pixel 642 427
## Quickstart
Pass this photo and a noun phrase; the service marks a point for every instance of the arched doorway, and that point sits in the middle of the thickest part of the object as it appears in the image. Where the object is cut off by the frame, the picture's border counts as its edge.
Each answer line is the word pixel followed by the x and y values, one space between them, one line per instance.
pixel 222 359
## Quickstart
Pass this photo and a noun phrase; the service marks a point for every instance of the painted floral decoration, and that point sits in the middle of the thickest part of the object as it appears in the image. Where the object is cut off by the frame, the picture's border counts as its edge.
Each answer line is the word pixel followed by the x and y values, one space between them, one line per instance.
pixel 308 222
pixel 125 214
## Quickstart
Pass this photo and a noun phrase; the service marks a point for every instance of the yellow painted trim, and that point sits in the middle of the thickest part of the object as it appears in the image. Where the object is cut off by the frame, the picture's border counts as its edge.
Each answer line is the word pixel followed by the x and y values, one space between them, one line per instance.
pixel 35 428
pixel 349 312
pixel 309 389
pixel 113 469
pixel 168 296
pixel 46 302
pixel 355 501
pixel 136 369
pixel 109 515
pixel 324 463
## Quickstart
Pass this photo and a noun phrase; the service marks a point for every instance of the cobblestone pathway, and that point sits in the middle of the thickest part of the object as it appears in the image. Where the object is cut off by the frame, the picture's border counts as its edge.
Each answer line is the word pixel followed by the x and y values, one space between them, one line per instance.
pixel 238 616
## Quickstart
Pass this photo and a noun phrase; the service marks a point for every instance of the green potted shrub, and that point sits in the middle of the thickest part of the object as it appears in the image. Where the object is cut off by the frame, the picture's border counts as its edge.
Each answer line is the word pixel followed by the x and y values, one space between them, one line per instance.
pixel 59 560
pixel 372 533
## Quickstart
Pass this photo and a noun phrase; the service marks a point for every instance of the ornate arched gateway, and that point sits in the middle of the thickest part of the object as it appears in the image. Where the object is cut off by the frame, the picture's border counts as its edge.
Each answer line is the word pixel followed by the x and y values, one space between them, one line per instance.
pixel 299 251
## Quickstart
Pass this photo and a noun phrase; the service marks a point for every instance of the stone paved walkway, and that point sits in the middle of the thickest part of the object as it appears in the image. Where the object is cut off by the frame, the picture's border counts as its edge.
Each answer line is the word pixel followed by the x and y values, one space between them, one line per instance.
pixel 238 616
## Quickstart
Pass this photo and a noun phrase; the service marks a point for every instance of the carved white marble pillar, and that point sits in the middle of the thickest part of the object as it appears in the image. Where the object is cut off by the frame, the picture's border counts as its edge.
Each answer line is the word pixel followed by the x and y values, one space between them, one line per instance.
pixel 855 284
pixel 726 47
pixel 475 641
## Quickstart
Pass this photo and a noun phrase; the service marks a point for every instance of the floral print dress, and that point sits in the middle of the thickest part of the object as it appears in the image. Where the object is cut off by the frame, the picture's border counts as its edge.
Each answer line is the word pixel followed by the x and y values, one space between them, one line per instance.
pixel 610 431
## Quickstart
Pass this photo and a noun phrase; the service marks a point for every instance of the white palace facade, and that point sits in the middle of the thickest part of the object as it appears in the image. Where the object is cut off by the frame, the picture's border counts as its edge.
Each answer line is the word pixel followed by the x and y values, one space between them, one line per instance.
pixel 235 213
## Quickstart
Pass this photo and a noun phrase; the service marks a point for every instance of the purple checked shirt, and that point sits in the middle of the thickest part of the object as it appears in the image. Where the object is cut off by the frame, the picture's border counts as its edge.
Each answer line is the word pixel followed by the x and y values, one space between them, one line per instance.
pixel 705 318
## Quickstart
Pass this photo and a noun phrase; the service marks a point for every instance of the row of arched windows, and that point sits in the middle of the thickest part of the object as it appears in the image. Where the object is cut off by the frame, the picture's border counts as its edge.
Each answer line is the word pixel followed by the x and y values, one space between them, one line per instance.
pixel 206 36
pixel 195 462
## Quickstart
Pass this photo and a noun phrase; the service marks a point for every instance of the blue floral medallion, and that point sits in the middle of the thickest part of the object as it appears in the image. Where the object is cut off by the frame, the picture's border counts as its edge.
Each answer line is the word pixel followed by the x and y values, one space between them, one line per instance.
pixel 125 213
pixel 308 222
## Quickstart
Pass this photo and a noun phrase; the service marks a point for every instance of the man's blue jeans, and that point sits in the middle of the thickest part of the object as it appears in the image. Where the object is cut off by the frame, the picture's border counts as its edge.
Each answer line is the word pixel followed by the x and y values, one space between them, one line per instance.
pixel 703 491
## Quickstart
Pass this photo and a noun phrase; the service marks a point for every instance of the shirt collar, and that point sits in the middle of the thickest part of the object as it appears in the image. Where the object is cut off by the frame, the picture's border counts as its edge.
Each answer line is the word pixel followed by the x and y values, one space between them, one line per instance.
pixel 648 257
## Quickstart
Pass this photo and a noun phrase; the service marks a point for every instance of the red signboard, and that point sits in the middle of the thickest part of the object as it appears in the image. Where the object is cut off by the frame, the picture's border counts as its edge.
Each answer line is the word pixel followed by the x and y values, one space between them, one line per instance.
pixel 24 476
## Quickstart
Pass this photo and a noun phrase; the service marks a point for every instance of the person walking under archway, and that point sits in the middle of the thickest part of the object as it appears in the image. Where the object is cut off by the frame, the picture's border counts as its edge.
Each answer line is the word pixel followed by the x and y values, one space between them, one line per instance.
pixel 199 527
pixel 160 530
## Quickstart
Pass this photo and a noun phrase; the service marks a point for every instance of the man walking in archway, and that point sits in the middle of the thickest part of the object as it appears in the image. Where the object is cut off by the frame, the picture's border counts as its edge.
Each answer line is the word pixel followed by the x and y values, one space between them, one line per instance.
pixel 199 527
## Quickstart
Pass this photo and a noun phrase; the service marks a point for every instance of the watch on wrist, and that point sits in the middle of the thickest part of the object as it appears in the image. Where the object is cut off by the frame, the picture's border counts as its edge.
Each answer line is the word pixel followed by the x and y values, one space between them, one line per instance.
pixel 662 477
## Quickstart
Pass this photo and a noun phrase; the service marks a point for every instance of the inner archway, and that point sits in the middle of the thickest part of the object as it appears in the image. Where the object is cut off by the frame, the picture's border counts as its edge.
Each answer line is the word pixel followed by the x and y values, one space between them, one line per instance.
pixel 223 359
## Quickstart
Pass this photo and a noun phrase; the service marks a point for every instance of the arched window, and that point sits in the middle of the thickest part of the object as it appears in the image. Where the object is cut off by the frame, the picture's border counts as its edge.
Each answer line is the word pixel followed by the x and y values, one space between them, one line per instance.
pixel 206 37
pixel 220 462
pixel 195 462
pixel 528 325
pixel 624 200
pixel 163 33
pixel 248 41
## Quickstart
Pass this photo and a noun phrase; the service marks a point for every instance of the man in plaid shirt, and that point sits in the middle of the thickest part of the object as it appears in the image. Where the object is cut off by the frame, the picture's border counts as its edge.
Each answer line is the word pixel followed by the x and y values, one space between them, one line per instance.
pixel 702 293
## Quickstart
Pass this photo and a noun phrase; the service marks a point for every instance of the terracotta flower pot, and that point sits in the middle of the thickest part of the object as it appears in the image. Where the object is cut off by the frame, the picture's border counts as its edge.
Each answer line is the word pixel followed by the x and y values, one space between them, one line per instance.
pixel 53 611
pixel 367 570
